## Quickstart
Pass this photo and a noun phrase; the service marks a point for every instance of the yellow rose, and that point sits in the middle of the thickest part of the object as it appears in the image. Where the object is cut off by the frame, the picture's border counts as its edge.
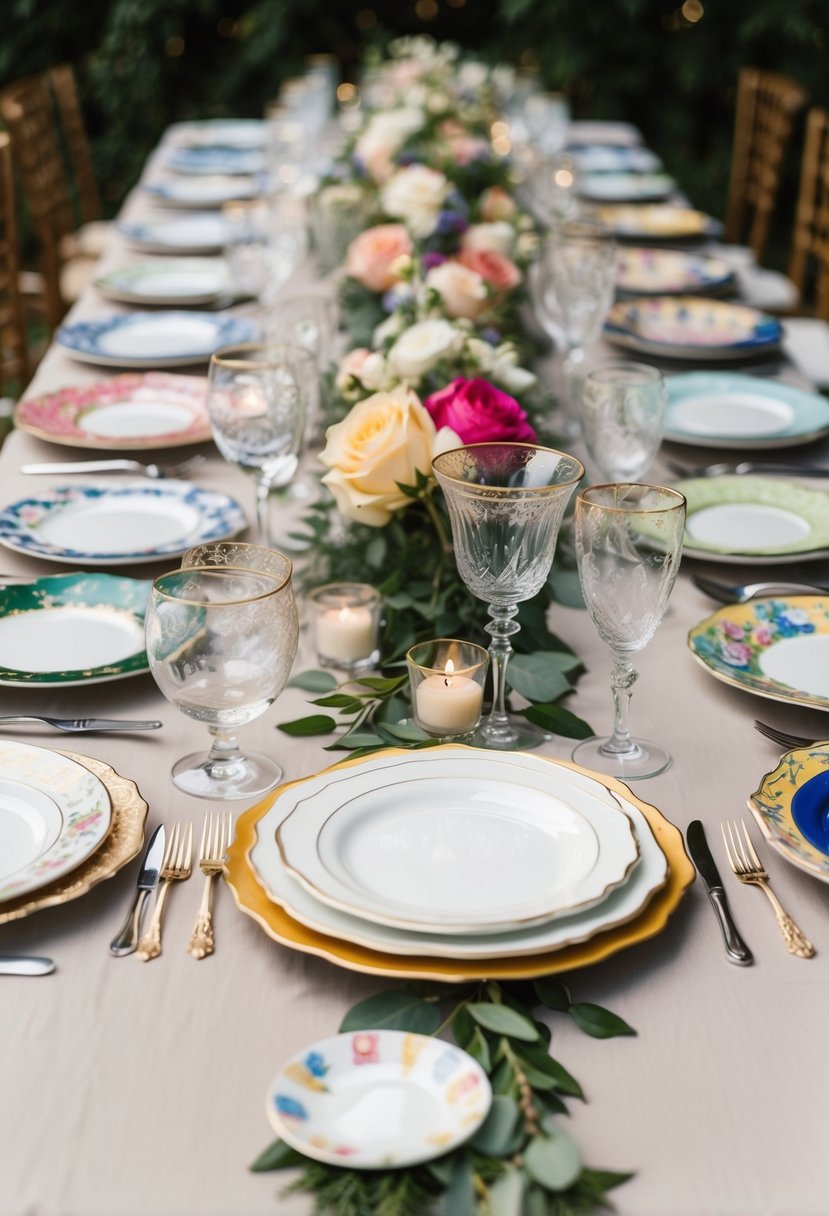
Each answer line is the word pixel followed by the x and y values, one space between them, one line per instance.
pixel 381 444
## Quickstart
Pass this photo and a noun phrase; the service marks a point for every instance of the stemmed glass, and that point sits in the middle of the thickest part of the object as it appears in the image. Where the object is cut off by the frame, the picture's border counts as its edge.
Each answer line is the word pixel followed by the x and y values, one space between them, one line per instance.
pixel 576 278
pixel 628 545
pixel 623 418
pixel 220 643
pixel 506 502
pixel 258 398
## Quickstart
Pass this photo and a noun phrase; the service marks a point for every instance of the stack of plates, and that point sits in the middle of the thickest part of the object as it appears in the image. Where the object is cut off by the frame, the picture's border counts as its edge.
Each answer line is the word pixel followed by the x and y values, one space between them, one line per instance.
pixel 66 823
pixel 456 863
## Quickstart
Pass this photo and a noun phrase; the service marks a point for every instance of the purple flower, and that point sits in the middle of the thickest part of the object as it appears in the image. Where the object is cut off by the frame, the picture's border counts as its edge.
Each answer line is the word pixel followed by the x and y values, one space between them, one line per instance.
pixel 431 260
pixel 491 335
pixel 451 222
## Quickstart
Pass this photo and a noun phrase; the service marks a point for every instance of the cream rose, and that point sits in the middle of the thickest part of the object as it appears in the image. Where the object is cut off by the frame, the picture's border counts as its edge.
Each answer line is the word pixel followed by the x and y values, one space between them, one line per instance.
pixel 420 347
pixel 463 292
pixel 384 134
pixel 496 204
pixel 381 445
pixel 372 257
pixel 497 237
pixel 415 195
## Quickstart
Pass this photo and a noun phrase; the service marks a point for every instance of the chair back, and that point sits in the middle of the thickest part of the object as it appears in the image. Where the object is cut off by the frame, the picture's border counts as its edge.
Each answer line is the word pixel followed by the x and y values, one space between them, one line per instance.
pixel 767 104
pixel 65 89
pixel 809 266
pixel 14 360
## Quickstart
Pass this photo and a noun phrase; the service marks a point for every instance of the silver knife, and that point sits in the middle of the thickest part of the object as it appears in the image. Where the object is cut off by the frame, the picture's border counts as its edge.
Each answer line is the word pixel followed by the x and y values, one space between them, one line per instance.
pixel 11 964
pixel 126 940
pixel 736 949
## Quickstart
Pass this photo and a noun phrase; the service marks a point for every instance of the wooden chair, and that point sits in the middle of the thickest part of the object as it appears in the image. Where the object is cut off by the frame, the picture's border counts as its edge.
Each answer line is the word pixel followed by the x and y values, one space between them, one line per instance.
pixel 14 359
pixel 809 265
pixel 767 104
pixel 65 89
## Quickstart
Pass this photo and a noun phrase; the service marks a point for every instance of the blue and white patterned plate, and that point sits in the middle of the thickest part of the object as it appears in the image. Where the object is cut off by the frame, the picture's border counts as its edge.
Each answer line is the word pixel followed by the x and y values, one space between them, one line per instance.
pixel 729 410
pixel 220 133
pixel 211 160
pixel 114 526
pixel 198 232
pixel 153 339
pixel 688 327
pixel 209 192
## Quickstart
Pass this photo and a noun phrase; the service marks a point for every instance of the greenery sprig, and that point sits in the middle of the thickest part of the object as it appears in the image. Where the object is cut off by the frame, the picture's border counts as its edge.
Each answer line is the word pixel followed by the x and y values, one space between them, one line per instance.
pixel 521 1161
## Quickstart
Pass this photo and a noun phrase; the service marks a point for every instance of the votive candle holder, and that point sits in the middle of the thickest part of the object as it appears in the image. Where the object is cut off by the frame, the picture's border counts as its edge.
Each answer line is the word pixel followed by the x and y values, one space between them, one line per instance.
pixel 446 679
pixel 346 619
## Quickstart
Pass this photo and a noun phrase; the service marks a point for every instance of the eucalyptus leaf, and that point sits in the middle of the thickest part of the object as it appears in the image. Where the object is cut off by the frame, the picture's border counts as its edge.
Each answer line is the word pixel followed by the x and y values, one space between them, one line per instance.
pixel 396 1009
pixel 341 701
pixel 545 1063
pixel 506 1195
pixel 558 720
pixel 478 1048
pixel 536 677
pixel 503 1020
pixel 553 1161
pixel 356 738
pixel 459 1199
pixel 463 1028
pixel 380 684
pixel 565 587
pixel 315 724
pixel 313 681
pixel 495 1134
pixel 410 732
pixel 391 710
pixel 503 1079
pixel 277 1156
pixel 598 1022
pixel 552 993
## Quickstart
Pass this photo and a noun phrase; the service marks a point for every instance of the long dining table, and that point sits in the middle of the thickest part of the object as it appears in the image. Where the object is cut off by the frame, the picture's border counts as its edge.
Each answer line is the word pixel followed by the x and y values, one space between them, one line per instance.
pixel 128 1088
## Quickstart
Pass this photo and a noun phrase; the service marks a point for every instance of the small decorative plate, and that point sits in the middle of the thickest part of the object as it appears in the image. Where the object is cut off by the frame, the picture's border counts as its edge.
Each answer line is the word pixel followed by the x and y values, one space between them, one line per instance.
pixel 776 648
pixel 129 412
pixel 650 272
pixel 687 327
pixel 53 814
pixel 207 192
pixel 93 621
pixel 219 133
pixel 116 525
pixel 729 410
pixel 792 808
pixel 196 233
pixel 378 1099
pixel 738 517
pixel 659 222
pixel 624 187
pixel 153 339
pixel 599 159
pixel 208 159
pixel 181 283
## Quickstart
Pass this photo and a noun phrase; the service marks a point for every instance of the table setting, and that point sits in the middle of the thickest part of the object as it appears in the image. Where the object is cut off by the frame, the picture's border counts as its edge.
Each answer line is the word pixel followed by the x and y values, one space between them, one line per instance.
pixel 342 654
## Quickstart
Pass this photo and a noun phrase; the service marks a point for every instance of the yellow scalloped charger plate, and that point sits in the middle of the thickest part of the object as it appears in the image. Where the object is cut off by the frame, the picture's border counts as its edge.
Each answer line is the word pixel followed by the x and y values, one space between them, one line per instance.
pixel 252 899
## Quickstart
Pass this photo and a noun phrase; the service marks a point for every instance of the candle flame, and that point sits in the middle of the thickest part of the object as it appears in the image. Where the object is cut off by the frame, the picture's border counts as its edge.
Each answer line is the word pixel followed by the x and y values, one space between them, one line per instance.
pixel 344 613
pixel 448 672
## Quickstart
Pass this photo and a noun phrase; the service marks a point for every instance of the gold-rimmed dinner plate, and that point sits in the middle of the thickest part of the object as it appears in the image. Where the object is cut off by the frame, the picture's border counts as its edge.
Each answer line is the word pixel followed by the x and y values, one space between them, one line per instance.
pixel 252 898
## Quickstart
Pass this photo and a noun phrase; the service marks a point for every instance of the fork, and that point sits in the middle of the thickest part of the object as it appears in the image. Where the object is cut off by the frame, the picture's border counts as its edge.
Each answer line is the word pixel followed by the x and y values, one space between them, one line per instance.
pixel 748 466
pixel 155 471
pixel 747 866
pixel 790 742
pixel 76 726
pixel 741 594
pixel 215 842
pixel 177 865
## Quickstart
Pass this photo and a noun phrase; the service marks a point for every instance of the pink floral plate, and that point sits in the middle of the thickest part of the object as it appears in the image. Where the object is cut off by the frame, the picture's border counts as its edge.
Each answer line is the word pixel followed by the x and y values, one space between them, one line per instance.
pixel 137 410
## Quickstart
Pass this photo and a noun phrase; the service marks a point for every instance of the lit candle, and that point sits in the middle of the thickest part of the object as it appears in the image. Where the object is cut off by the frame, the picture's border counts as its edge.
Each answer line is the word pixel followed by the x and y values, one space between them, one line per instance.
pixel 346 633
pixel 449 704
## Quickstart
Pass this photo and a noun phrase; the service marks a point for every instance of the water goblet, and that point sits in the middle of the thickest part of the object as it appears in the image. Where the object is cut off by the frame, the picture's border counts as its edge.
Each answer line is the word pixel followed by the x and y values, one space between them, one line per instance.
pixel 506 502
pixel 259 396
pixel 628 546
pixel 623 418
pixel 220 643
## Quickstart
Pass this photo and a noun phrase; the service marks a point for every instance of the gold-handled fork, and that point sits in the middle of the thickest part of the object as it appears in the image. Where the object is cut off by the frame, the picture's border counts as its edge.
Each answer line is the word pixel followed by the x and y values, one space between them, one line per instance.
pixel 177 865
pixel 747 866
pixel 215 841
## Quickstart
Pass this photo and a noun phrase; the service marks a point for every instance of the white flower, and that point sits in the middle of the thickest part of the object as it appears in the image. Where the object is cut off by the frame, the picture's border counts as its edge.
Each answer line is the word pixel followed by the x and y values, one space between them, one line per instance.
pixel 392 327
pixel 374 373
pixel 505 371
pixel 463 292
pixel 415 194
pixel 472 75
pixel 481 353
pixel 497 237
pixel 384 134
pixel 422 346
pixel 437 102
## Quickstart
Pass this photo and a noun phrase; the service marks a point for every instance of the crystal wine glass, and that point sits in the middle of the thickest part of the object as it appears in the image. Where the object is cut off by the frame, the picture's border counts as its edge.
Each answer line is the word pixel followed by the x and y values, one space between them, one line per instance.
pixel 220 643
pixel 258 398
pixel 576 279
pixel 628 545
pixel 506 502
pixel 623 418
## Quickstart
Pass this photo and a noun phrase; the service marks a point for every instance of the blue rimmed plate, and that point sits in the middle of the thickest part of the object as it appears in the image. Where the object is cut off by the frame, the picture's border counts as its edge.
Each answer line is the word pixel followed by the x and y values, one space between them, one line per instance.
pixel 792 809
pixel 649 271
pixel 112 526
pixel 153 339
pixel 689 327
pixel 220 133
pixel 625 187
pixel 209 192
pixel 209 159
pixel 180 234
pixel 729 410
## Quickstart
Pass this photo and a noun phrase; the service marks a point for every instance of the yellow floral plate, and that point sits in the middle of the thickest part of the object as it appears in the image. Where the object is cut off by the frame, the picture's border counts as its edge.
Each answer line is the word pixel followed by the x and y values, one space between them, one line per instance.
pixel 252 898
pixel 792 809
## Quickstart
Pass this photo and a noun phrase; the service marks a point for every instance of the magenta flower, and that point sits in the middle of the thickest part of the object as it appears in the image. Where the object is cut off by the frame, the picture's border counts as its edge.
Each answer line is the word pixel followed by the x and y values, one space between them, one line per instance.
pixel 478 412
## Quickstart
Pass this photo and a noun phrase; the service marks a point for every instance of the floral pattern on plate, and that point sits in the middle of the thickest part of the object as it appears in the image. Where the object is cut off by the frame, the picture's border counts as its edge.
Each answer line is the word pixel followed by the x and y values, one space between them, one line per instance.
pixel 643 271
pixel 791 806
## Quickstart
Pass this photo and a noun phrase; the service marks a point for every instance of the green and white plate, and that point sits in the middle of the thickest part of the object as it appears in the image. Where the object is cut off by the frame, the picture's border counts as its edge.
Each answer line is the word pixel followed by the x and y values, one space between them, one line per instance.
pixel 776 648
pixel 72 629
pixel 730 410
pixel 745 519
pixel 179 282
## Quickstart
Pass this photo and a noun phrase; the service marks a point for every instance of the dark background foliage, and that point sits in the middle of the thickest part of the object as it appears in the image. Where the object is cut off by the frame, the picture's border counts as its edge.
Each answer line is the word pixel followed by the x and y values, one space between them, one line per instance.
pixel 667 65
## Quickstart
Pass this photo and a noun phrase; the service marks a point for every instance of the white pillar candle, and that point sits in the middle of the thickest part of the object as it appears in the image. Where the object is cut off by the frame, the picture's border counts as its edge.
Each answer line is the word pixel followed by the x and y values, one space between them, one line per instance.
pixel 449 704
pixel 345 633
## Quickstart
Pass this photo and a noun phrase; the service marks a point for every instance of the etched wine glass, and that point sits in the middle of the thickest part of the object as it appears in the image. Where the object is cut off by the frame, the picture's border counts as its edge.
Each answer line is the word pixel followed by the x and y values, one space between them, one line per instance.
pixel 628 546
pixel 623 418
pixel 221 640
pixel 506 502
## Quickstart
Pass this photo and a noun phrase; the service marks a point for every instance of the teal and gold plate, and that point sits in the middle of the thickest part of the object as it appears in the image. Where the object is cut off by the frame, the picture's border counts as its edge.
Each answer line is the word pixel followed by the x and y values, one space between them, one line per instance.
pixel 72 629
pixel 792 809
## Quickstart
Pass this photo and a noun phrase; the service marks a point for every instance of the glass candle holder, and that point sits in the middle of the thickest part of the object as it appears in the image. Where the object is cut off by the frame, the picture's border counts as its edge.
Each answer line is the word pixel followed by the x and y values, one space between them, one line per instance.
pixel 446 678
pixel 346 625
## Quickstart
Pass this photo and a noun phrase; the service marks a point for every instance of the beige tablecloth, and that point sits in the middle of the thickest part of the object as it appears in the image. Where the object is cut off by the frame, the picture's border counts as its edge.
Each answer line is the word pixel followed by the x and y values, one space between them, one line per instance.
pixel 128 1089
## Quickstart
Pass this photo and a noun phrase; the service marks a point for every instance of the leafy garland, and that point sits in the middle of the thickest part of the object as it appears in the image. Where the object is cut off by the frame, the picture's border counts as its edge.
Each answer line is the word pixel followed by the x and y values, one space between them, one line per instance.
pixel 520 1162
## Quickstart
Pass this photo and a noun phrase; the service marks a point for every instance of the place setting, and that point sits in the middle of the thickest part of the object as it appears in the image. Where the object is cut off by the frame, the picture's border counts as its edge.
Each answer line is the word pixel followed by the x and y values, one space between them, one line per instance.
pixel 181 283
pixel 149 340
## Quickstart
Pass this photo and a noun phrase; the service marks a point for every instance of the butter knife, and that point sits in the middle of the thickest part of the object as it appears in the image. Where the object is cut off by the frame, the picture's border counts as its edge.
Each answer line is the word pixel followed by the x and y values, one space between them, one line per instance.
pixel 12 964
pixel 736 949
pixel 126 940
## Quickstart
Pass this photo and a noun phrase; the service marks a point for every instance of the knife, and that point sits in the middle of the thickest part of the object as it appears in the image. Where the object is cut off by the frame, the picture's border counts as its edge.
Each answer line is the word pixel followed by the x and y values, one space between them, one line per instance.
pixel 126 940
pixel 11 964
pixel 736 949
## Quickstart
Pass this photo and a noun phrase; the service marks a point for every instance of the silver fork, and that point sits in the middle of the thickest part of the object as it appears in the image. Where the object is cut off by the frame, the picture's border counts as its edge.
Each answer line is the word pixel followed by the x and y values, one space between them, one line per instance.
pixel 747 866
pixel 155 471
pixel 740 594
pixel 789 742
pixel 748 466
pixel 76 726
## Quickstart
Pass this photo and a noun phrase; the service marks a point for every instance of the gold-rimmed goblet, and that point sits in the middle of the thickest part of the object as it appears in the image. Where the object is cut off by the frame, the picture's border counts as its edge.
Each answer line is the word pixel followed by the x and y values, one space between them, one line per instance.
pixel 628 545
pixel 506 502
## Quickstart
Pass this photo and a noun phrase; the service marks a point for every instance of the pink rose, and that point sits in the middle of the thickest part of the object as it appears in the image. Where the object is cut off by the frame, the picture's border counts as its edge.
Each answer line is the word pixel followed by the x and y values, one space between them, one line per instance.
pixel 736 654
pixel 497 270
pixel 732 631
pixel 371 255
pixel 479 412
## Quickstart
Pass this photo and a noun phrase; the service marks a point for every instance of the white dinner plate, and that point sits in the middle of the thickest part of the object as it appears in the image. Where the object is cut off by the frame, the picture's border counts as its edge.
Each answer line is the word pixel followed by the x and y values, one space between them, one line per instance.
pixel 207 192
pixel 183 282
pixel 210 160
pixel 623 187
pixel 53 814
pixel 153 339
pixel 451 847
pixel 197 233
pixel 761 519
pixel 621 905
pixel 219 133
pixel 375 1099
pixel 116 525
pixel 728 410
